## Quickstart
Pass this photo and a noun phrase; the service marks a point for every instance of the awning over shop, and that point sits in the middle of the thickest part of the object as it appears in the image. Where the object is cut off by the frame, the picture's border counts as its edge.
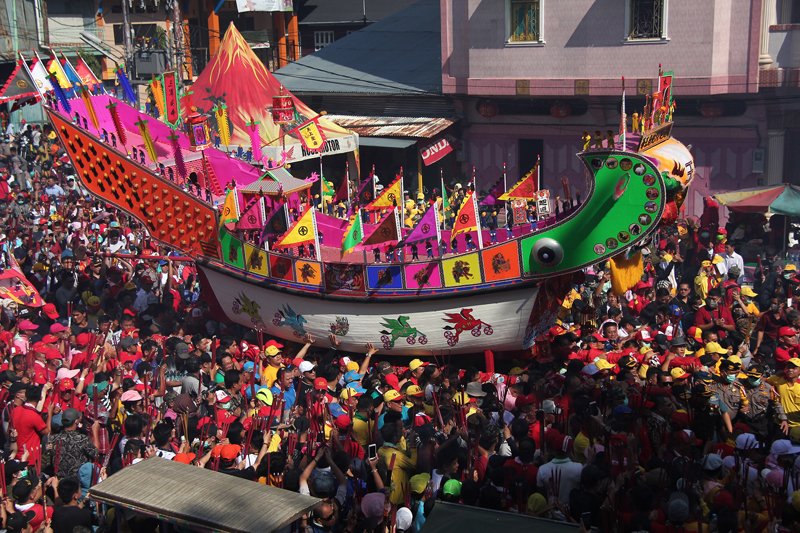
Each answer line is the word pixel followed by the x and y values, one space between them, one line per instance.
pixel 385 142
pixel 201 499
pixel 454 518
pixel 781 199
pixel 416 127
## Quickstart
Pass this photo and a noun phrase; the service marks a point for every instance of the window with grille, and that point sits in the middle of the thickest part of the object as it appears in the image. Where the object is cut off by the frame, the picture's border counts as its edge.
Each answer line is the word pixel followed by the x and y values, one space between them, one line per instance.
pixel 524 21
pixel 322 39
pixel 646 19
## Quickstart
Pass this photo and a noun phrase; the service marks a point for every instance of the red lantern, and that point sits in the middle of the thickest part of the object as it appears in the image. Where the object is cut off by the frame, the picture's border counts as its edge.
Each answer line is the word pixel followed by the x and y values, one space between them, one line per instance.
pixel 198 132
pixel 560 110
pixel 282 108
pixel 487 108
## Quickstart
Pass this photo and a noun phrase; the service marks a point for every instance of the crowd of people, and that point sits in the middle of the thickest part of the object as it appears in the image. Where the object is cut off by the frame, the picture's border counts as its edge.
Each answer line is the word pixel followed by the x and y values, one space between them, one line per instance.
pixel 672 407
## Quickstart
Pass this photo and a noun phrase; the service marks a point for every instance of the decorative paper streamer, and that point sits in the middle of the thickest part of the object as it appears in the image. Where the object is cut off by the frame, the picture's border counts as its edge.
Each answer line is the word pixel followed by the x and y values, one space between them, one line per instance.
pixel 144 132
pixel 223 126
pixel 255 139
pixel 157 89
pixel 121 135
pixel 60 94
pixel 126 85
pixel 180 165
pixel 86 96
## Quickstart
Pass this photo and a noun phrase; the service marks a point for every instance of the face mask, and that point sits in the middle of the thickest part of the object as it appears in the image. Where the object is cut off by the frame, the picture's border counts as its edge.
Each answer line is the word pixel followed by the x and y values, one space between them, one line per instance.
pixel 711 304
pixel 625 401
pixel 730 378
pixel 774 308
pixel 755 382
pixel 787 276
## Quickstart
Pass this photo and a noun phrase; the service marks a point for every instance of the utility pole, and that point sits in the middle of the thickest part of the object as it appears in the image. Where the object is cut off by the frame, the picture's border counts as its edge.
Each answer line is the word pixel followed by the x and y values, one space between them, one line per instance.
pixel 177 32
pixel 126 37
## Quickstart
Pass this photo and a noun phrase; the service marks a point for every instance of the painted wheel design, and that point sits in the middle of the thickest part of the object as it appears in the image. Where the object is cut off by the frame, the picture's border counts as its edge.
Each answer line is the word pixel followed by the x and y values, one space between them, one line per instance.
pixel 277 320
pixel 488 330
pixel 423 339
pixel 476 331
pixel 452 342
pixel 411 339
pixel 449 335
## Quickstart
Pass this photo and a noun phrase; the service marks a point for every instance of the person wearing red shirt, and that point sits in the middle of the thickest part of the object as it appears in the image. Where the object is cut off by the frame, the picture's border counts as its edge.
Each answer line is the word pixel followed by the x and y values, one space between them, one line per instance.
pixel 679 357
pixel 787 345
pixel 769 323
pixel 25 495
pixel 715 316
pixel 28 422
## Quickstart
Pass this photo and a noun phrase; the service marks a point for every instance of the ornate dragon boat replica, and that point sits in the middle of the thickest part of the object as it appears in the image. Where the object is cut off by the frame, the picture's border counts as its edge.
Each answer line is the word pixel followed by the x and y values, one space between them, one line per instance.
pixel 499 296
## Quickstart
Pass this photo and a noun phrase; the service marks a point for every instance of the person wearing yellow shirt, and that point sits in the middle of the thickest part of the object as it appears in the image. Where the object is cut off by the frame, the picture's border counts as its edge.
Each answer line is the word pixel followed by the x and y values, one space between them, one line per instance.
pixel 788 389
pixel 746 301
pixel 398 458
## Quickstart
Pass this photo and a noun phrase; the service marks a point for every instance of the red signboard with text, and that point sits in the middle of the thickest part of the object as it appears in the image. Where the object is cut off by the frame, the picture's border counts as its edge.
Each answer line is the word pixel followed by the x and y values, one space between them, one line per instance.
pixel 433 152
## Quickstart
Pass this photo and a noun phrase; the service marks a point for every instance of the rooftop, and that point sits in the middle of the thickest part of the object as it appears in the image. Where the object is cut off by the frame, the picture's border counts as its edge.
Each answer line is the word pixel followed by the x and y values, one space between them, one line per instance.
pixel 348 11
pixel 400 54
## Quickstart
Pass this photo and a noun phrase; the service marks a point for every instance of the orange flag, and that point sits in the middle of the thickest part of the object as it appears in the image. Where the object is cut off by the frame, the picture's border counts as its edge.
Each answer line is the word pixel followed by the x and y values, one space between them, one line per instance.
pixel 467 217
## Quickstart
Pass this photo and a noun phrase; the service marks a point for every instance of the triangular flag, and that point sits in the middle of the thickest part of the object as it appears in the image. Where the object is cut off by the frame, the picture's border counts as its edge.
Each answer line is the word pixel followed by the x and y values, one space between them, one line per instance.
pixel 39 74
pixel 391 196
pixel 54 67
pixel 87 76
pixel 366 191
pixel 386 231
pixel 354 234
pixel 525 188
pixel 70 71
pixel 342 192
pixel 302 231
pixel 19 84
pixel 426 228
pixel 230 208
pixel 445 201
pixel 327 187
pixel 467 218
pixel 253 215
pixel 277 223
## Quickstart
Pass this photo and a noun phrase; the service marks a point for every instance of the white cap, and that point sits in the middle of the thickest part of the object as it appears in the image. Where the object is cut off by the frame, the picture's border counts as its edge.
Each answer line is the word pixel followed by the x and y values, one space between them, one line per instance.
pixel 404 519
pixel 306 366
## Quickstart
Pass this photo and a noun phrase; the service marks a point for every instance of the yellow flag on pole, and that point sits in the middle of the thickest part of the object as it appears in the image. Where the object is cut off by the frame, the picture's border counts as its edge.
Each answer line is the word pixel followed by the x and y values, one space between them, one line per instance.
pixel 302 231
pixel 391 196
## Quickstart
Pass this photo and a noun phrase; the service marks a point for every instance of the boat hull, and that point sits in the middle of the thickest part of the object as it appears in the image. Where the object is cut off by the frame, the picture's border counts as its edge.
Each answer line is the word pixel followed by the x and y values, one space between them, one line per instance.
pixel 472 323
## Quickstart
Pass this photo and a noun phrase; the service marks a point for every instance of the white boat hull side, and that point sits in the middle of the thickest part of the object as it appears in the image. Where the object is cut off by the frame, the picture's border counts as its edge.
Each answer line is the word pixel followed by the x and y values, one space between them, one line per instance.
pixel 495 320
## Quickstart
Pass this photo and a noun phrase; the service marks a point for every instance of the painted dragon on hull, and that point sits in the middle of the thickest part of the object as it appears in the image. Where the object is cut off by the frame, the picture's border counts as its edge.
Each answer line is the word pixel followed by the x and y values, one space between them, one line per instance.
pixel 499 297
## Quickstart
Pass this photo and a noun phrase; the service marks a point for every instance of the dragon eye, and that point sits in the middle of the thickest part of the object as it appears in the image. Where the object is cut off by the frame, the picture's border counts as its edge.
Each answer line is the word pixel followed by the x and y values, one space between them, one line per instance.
pixel 547 252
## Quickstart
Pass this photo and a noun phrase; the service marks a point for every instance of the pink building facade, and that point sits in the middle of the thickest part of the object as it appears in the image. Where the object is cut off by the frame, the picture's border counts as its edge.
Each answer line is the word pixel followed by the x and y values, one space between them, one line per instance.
pixel 531 76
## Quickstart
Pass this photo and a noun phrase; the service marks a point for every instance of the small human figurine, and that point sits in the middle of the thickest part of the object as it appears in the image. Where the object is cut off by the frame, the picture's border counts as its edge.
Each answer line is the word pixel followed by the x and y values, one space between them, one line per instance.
pixel 598 140
pixel 587 140
pixel 610 139
pixel 635 122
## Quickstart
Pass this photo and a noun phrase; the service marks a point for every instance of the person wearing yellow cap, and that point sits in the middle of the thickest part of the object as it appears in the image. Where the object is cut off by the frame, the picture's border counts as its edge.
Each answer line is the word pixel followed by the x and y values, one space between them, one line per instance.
pixel 788 389
pixel 416 367
pixel 745 300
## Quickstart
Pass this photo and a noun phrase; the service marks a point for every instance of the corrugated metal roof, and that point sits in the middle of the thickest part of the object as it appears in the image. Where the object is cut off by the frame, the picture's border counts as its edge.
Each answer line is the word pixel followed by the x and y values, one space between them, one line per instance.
pixel 283 181
pixel 201 498
pixel 417 127
pixel 400 54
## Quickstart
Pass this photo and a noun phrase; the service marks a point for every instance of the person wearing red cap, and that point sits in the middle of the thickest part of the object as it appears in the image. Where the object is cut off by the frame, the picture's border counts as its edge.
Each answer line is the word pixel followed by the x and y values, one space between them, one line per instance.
pixel 788 346
pixel 342 437
pixel 560 467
